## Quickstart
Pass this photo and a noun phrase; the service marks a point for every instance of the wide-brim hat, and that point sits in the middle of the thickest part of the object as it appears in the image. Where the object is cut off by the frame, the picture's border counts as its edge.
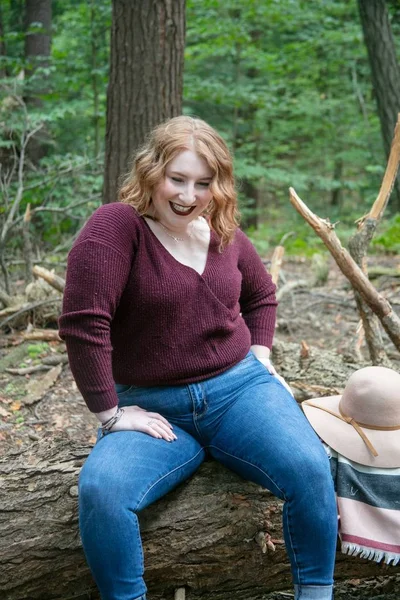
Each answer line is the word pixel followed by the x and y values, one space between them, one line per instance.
pixel 362 424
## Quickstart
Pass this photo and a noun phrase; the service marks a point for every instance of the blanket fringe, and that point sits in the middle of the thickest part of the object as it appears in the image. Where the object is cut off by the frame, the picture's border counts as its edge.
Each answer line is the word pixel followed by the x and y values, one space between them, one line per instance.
pixel 370 553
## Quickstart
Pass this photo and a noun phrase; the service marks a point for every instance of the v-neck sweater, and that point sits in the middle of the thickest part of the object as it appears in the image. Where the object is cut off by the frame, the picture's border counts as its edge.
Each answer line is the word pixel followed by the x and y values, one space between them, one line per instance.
pixel 133 314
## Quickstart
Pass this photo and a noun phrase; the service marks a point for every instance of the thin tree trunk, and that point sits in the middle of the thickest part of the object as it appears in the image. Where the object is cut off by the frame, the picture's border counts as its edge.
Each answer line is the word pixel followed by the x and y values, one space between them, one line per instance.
pixel 3 50
pixel 337 176
pixel 146 78
pixel 385 70
pixel 37 43
pixel 95 86
pixel 37 56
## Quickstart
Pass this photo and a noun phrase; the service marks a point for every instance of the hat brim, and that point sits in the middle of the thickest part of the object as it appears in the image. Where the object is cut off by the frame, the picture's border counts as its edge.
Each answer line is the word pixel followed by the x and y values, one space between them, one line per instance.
pixel 343 438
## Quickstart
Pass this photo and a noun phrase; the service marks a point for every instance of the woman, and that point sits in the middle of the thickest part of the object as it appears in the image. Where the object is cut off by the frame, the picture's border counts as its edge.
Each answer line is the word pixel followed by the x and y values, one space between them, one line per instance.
pixel 169 317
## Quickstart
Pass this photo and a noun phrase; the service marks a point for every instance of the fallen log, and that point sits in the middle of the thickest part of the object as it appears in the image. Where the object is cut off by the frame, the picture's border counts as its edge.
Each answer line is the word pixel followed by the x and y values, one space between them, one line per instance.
pixel 216 535
pixel 206 536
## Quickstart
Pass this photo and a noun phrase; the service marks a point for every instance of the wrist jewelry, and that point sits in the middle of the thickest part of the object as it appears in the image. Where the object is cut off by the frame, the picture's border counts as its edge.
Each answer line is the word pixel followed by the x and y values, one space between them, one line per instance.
pixel 108 425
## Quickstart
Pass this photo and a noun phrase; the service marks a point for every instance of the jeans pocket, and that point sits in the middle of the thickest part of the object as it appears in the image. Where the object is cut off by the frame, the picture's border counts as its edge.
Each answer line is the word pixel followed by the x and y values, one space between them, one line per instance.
pixel 122 389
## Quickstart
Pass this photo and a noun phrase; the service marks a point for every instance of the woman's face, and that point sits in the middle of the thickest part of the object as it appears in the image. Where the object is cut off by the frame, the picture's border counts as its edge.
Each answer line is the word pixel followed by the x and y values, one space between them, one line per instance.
pixel 184 193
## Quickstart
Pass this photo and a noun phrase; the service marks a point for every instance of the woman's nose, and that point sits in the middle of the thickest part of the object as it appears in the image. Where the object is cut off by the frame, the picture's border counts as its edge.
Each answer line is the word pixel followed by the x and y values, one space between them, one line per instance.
pixel 188 195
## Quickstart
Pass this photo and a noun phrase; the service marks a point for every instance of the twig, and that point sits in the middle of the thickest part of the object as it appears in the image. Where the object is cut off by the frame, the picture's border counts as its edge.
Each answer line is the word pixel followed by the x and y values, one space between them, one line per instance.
pixel 27 244
pixel 57 209
pixel 29 370
pixel 289 287
pixel 5 298
pixel 379 304
pixel 276 263
pixel 27 308
pixel 18 196
pixel 52 279
pixel 43 335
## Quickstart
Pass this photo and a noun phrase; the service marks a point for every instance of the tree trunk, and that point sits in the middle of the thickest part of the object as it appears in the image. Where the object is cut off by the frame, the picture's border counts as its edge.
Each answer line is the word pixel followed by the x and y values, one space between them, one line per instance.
pixel 146 78
pixel 216 535
pixel 209 535
pixel 37 43
pixel 385 70
pixel 37 55
pixel 3 50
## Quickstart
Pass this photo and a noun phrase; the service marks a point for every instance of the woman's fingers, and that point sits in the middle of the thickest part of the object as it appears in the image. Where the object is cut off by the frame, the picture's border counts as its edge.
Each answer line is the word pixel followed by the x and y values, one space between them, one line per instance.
pixel 158 429
pixel 154 415
pixel 136 418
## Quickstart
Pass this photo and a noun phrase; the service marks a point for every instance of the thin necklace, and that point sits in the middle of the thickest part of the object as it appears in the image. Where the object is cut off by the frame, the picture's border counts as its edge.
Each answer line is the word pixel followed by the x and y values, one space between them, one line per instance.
pixel 174 237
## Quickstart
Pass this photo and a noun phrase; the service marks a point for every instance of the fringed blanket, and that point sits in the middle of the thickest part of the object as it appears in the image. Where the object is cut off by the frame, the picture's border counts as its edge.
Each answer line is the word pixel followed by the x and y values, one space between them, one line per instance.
pixel 369 509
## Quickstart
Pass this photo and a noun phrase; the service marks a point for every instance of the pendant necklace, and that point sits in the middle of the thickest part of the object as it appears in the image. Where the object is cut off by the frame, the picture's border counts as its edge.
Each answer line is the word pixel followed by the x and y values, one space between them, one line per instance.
pixel 174 237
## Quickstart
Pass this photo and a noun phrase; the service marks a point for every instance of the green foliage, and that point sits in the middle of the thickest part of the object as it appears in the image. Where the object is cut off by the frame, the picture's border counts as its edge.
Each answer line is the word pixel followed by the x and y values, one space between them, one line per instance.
pixel 38 349
pixel 287 83
pixel 389 238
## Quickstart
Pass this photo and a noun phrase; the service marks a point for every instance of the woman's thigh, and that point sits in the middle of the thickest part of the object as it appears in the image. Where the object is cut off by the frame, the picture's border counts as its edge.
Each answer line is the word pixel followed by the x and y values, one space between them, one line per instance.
pixel 265 437
pixel 133 469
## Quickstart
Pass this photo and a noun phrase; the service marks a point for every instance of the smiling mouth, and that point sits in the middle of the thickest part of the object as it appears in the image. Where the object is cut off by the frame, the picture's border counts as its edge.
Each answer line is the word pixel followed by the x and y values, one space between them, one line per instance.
pixel 181 210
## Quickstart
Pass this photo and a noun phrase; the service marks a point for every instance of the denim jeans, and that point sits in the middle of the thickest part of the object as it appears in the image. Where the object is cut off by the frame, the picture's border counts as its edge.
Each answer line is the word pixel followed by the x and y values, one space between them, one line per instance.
pixel 246 420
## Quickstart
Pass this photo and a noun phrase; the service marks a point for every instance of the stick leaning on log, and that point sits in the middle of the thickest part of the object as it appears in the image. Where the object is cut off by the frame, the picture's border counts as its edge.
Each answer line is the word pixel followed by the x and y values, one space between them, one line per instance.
pixel 326 231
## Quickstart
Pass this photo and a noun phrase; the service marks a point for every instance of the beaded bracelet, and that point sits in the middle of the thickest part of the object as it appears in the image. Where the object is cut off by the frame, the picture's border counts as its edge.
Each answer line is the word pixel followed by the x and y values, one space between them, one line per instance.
pixel 108 425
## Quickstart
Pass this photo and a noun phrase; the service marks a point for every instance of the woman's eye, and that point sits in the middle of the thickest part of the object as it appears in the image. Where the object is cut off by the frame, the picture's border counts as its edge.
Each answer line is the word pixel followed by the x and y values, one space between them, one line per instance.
pixel 177 179
pixel 205 184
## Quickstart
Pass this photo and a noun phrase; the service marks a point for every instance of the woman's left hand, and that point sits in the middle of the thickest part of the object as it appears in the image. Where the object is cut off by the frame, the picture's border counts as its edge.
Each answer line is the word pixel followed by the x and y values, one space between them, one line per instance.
pixel 271 369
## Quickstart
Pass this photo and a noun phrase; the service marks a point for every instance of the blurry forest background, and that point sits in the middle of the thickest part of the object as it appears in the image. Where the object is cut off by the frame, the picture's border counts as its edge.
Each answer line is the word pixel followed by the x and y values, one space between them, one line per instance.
pixel 287 83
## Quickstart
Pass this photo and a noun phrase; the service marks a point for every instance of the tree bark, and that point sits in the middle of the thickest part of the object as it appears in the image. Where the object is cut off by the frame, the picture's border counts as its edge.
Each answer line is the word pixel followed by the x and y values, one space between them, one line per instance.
pixel 216 535
pixel 209 535
pixel 385 70
pixel 3 49
pixel 37 56
pixel 37 44
pixel 146 78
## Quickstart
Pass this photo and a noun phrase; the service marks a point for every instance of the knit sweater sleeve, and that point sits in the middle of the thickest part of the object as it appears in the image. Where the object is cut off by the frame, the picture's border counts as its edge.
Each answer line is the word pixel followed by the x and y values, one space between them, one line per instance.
pixel 97 272
pixel 257 300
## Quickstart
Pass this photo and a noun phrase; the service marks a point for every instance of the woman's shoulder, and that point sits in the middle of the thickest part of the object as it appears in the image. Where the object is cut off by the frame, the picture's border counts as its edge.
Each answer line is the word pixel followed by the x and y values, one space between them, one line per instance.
pixel 241 239
pixel 116 212
pixel 116 225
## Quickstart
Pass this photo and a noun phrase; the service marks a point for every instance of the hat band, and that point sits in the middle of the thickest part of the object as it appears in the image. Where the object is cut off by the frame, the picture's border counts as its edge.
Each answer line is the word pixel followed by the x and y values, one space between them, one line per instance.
pixel 357 426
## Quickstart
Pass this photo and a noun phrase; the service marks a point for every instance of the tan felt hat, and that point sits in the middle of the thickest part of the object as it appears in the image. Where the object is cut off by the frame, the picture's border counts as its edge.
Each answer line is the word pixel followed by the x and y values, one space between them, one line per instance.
pixel 363 424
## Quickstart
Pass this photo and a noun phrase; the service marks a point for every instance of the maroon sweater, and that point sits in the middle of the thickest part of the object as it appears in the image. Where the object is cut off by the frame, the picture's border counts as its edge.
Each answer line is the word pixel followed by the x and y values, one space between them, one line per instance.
pixel 135 315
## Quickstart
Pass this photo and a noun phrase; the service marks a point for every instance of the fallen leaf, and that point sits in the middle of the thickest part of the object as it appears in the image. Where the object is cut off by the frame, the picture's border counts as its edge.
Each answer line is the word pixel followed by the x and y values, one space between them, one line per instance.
pixel 15 406
pixel 3 412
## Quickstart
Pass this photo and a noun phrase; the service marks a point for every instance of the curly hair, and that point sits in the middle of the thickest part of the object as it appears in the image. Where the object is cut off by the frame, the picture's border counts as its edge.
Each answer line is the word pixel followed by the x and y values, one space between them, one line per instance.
pixel 164 143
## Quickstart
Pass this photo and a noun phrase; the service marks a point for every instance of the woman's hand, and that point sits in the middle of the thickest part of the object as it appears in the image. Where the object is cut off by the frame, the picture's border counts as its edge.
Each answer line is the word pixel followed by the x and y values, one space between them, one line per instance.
pixel 135 418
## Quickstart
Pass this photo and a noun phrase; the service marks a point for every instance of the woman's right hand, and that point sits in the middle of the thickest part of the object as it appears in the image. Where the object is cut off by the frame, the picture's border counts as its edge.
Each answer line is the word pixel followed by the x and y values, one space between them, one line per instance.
pixel 139 419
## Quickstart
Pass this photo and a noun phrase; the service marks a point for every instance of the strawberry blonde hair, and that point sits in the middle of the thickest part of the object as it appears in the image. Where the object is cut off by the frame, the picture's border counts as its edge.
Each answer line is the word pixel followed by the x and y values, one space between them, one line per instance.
pixel 164 143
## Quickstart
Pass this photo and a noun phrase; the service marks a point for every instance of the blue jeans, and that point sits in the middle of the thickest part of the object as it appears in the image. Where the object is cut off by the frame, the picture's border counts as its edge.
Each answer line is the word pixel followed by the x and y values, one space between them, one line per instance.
pixel 246 420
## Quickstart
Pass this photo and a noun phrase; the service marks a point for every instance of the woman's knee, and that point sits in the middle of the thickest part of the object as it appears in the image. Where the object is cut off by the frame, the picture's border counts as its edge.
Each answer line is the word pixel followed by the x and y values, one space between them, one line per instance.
pixel 106 489
pixel 310 469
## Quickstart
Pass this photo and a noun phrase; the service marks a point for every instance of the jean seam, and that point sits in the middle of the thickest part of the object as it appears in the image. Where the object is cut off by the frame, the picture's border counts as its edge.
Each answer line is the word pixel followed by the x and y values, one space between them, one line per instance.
pixel 275 484
pixel 167 475
pixel 289 530
pixel 253 465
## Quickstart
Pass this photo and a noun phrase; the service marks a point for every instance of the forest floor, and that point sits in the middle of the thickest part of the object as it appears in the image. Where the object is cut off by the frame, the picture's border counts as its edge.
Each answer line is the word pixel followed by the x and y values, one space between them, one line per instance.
pixel 319 310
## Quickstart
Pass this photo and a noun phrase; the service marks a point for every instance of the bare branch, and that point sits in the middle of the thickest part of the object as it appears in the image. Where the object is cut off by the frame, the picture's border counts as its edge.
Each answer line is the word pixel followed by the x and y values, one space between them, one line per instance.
pixel 52 279
pixel 325 230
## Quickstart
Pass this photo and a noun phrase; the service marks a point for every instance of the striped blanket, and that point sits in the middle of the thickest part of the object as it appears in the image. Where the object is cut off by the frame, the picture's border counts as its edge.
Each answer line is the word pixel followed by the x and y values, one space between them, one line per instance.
pixel 369 509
